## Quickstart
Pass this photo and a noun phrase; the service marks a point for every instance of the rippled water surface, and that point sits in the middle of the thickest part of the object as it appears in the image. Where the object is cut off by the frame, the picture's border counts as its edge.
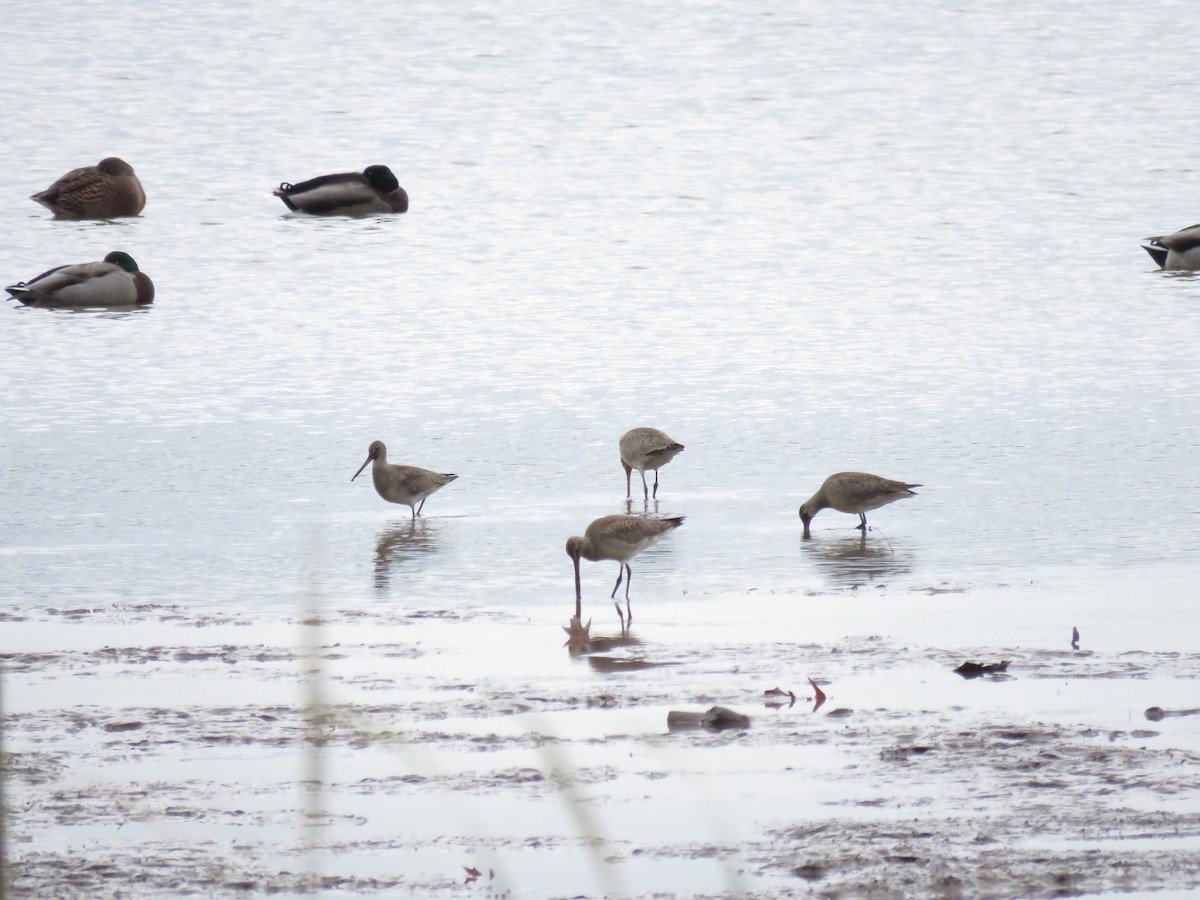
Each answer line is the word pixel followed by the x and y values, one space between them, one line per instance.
pixel 895 239
pixel 899 243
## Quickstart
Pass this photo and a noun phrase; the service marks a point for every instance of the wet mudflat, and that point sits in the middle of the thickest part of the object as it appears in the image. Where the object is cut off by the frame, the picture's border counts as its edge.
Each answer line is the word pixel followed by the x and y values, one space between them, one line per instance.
pixel 362 752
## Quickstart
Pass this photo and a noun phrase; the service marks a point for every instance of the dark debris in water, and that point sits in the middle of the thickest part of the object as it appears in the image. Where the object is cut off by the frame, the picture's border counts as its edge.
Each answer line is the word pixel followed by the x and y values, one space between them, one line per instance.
pixel 716 718
pixel 975 670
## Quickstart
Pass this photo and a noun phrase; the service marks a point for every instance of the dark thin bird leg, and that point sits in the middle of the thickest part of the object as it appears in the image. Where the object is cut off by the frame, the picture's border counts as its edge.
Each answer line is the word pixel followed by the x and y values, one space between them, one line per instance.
pixel 656 484
pixel 628 582
pixel 620 575
pixel 862 523
pixel 421 507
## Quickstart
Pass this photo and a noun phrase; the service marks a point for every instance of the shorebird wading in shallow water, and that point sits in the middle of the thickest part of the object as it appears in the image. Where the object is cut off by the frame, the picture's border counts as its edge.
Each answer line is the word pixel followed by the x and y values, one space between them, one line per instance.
pixel 854 492
pixel 620 538
pixel 401 484
pixel 1180 251
pixel 646 448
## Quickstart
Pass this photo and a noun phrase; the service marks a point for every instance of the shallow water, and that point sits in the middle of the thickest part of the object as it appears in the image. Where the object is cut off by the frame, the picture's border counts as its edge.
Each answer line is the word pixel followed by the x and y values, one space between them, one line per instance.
pixel 903 242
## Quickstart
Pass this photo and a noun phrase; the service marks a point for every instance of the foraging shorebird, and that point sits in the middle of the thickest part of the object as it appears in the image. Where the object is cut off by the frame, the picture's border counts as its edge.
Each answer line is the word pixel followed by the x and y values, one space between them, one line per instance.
pixel 854 492
pixel 103 191
pixel 1180 250
pixel 114 282
pixel 375 190
pixel 620 538
pixel 401 484
pixel 646 448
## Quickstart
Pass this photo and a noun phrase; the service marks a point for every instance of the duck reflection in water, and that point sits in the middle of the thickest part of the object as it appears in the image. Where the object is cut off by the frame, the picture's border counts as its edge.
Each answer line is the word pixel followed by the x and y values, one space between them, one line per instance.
pixel 401 542
pixel 855 559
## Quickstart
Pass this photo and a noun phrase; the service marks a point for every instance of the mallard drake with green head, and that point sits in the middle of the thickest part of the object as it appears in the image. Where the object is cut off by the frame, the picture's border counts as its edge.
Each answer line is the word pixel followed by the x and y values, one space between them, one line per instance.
pixel 375 190
pixel 104 191
pixel 116 281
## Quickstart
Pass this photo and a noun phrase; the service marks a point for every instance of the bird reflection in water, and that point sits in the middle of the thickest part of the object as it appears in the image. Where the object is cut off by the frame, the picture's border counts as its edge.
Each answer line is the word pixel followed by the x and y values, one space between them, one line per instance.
pixel 399 542
pixel 581 642
pixel 857 558
pixel 645 508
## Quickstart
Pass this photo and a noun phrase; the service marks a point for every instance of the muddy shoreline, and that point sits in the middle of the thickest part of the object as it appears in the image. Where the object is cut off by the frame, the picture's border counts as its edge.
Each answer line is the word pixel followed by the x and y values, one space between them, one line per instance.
pixel 295 789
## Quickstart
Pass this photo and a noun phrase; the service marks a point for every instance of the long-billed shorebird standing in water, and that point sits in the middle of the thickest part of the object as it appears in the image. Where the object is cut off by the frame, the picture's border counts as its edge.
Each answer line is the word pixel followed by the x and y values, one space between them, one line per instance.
pixel 401 484
pixel 646 448
pixel 620 538
pixel 854 492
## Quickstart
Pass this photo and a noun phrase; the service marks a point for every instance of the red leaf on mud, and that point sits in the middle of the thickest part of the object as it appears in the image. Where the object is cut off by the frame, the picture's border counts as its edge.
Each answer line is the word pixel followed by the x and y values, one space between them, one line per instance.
pixel 819 699
pixel 472 873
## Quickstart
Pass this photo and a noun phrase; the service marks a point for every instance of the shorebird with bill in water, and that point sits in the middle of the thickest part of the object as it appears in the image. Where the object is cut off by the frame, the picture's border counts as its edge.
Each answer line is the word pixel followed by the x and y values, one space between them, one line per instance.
pixel 407 485
pixel 646 448
pixel 619 538
pixel 854 492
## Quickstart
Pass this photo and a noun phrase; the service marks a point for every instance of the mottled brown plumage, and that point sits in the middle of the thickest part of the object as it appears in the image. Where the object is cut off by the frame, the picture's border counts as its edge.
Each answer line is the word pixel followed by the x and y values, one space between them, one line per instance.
pixel 407 485
pixel 646 448
pixel 620 538
pixel 103 191
pixel 854 492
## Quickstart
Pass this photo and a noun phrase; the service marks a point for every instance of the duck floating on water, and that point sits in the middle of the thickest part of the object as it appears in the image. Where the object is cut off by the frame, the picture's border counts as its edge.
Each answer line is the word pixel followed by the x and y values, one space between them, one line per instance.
pixel 115 281
pixel 1178 251
pixel 375 190
pixel 104 191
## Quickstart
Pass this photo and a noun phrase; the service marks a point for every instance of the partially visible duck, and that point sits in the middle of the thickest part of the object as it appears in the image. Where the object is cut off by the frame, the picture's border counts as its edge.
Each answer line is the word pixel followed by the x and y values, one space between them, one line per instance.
pixel 116 281
pixel 376 190
pixel 1180 250
pixel 103 191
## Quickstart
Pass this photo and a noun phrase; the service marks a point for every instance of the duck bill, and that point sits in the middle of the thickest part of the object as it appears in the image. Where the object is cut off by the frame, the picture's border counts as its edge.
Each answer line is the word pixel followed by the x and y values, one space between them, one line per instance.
pixel 360 468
